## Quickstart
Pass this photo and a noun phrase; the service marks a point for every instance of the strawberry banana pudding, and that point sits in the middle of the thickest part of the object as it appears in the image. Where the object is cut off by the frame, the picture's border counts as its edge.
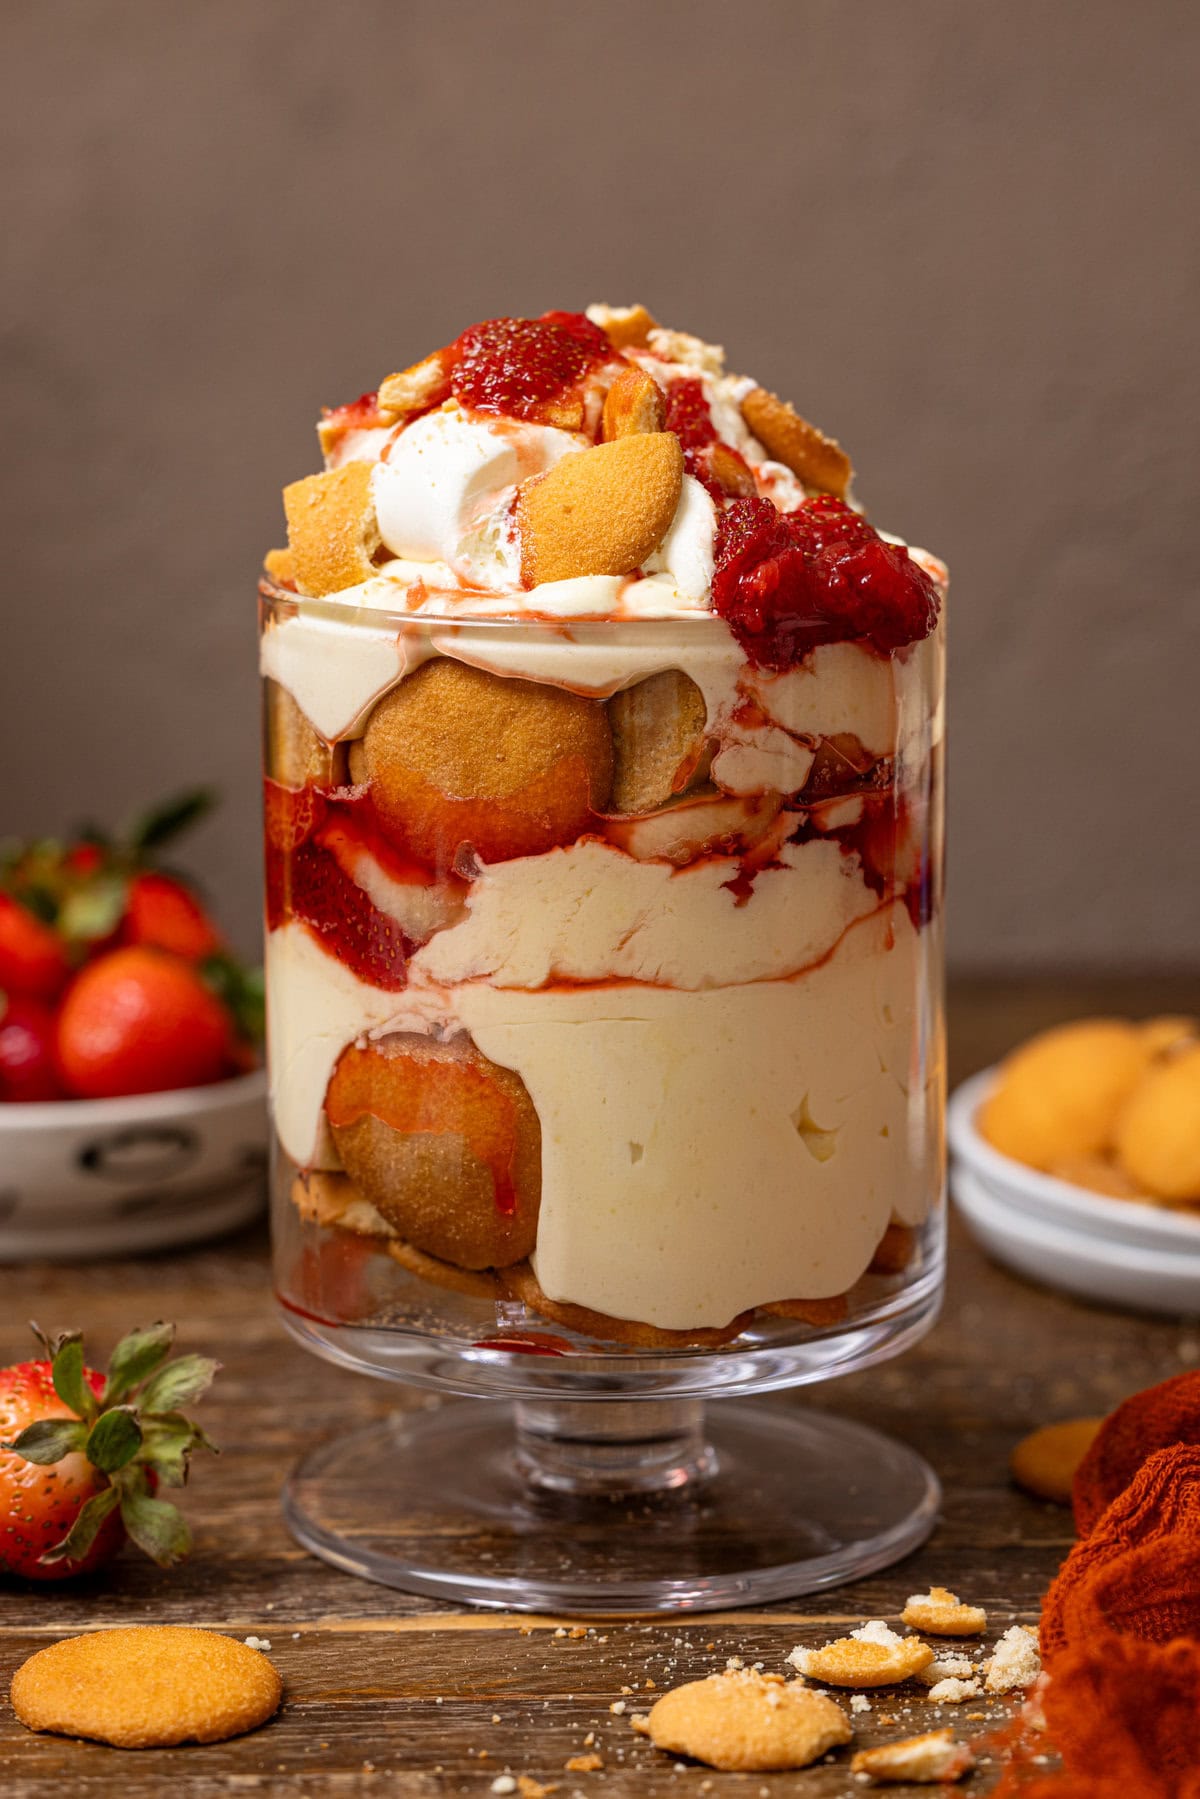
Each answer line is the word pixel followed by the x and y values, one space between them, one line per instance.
pixel 603 844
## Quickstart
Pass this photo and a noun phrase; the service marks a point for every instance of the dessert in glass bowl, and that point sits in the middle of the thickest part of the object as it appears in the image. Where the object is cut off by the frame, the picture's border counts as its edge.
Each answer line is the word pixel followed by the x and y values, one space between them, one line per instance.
pixel 603 840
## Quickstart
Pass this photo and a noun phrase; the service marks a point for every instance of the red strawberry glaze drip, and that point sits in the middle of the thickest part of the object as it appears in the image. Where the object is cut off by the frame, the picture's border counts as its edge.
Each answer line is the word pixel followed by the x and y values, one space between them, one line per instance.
pixel 786 582
pixel 532 1343
pixel 886 842
pixel 512 365
pixel 350 825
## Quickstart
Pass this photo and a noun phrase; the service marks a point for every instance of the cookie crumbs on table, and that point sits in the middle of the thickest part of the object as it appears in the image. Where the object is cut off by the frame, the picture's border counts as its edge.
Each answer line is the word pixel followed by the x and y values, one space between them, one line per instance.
pixel 948 1667
pixel 953 1690
pixel 1014 1662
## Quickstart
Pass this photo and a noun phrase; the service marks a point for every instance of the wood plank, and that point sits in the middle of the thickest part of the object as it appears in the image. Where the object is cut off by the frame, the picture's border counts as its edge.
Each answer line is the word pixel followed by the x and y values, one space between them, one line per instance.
pixel 365 1667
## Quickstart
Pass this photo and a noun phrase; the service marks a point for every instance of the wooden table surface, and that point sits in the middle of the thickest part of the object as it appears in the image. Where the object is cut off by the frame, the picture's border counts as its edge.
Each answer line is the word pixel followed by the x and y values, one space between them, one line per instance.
pixel 387 1694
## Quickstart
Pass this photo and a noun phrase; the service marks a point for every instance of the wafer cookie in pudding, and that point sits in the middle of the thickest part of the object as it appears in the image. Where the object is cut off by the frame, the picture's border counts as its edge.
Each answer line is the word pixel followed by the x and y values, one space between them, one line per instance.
pixel 603 850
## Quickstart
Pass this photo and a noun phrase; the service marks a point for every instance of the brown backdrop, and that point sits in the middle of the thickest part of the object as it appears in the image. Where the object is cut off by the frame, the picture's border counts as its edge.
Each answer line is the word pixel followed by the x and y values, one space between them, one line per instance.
pixel 960 235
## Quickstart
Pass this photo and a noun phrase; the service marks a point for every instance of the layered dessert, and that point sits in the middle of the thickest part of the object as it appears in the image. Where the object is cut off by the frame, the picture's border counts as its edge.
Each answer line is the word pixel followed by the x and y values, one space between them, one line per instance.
pixel 603 842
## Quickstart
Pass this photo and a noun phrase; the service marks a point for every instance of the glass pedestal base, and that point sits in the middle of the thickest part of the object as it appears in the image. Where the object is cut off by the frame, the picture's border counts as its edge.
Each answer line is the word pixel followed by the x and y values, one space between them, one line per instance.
pixel 611 1507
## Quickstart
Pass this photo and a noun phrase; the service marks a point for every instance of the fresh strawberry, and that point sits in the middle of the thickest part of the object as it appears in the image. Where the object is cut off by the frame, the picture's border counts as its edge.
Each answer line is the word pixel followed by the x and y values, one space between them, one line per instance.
pixel 33 958
pixel 160 910
pixel 85 858
pixel 140 1020
pixel 28 1067
pixel 82 1455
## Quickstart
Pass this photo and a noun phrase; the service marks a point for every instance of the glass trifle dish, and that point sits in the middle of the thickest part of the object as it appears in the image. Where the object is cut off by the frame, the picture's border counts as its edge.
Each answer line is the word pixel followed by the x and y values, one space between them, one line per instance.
pixel 603 854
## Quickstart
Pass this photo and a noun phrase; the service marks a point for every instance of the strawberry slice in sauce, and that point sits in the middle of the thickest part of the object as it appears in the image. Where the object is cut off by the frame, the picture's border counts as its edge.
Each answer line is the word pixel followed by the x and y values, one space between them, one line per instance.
pixel 310 885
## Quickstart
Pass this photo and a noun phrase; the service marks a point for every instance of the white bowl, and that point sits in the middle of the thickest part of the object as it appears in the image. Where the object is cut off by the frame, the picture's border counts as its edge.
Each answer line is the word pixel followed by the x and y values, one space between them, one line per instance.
pixel 1117 1251
pixel 97 1177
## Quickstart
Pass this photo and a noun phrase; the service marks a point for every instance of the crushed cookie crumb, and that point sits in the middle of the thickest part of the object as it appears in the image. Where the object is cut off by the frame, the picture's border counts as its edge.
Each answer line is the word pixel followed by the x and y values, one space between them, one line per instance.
pixel 584 1764
pixel 1014 1662
pixel 953 1691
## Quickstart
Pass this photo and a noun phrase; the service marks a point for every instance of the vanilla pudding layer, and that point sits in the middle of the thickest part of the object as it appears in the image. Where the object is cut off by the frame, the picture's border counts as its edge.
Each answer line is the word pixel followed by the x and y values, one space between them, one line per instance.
pixel 658 1203
pixel 631 999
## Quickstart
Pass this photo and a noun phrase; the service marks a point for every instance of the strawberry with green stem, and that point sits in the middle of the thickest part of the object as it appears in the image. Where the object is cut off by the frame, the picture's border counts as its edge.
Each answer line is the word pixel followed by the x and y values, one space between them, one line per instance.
pixel 82 1454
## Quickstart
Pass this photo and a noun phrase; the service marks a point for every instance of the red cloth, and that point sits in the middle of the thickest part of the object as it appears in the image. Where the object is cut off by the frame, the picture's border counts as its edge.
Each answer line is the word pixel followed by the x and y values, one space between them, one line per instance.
pixel 1139 1571
pixel 1154 1419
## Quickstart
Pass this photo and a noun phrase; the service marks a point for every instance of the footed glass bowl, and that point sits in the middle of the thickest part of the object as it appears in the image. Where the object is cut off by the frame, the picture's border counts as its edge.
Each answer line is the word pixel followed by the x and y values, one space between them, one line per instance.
pixel 607 1078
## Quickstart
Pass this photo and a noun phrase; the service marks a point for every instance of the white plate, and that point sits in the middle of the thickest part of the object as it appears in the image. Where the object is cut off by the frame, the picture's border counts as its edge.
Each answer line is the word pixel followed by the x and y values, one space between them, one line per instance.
pixel 96 1177
pixel 1114 1250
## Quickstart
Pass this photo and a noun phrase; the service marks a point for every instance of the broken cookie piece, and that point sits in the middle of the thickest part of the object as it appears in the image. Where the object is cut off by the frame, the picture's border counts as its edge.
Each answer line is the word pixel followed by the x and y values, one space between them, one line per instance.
pixel 924 1759
pixel 872 1656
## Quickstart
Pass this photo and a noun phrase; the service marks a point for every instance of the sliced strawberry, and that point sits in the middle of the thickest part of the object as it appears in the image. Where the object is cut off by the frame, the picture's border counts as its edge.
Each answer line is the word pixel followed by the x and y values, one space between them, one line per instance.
pixel 310 885
pixel 688 415
pixel 513 365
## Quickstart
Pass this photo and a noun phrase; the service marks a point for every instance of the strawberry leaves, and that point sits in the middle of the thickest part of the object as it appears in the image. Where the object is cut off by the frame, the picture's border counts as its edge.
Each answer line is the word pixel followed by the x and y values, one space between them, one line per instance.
pixel 135 1358
pixel 48 1440
pixel 135 1434
pixel 169 819
pixel 155 1526
pixel 82 1533
pixel 69 1381
pixel 113 1440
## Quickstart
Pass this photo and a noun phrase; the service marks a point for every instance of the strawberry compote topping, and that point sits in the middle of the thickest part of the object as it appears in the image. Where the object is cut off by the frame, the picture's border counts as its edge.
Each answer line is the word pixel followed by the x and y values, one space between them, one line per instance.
pixel 786 582
pixel 688 415
pixel 689 418
pixel 512 365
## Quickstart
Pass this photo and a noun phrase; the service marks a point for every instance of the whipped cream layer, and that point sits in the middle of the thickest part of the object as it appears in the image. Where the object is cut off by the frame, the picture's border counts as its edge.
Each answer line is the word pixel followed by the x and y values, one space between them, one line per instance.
pixel 444 486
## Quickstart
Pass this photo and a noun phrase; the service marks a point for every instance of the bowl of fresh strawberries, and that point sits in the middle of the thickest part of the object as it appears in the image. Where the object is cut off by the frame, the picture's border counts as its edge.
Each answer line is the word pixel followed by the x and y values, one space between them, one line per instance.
pixel 132 1100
